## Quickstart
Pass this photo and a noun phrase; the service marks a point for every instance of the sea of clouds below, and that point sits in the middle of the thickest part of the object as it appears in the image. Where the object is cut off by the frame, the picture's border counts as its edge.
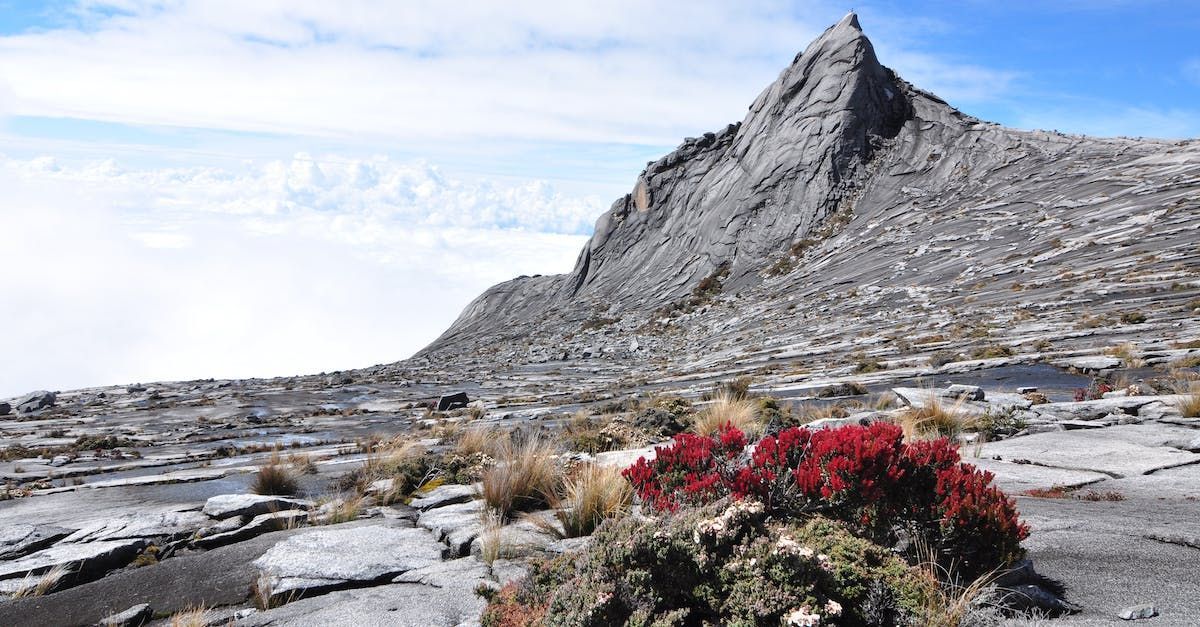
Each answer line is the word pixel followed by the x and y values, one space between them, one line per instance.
pixel 115 275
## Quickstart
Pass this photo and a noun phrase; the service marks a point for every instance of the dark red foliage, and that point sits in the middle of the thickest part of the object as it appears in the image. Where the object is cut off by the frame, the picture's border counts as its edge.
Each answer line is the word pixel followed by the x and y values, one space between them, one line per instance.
pixel 865 476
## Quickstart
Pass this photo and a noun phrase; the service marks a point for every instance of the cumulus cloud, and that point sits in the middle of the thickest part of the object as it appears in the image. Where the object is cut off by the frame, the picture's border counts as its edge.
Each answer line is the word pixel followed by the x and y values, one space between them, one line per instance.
pixel 117 275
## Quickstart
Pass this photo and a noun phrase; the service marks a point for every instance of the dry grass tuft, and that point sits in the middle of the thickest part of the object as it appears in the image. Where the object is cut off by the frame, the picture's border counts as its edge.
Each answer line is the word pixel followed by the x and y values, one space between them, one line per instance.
pixel 274 478
pixel 1189 405
pixel 1127 353
pixel 491 537
pixel 43 584
pixel 525 476
pixel 401 459
pixel 935 419
pixel 191 617
pixel 591 495
pixel 728 410
pixel 952 603
pixel 473 441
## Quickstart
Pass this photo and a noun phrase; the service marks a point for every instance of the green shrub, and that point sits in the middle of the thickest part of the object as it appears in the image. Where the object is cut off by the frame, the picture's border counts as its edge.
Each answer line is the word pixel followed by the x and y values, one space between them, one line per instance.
pixel 726 564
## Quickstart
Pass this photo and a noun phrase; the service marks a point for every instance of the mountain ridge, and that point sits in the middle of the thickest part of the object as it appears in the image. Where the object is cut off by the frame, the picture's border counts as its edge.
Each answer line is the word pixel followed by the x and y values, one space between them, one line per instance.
pixel 837 145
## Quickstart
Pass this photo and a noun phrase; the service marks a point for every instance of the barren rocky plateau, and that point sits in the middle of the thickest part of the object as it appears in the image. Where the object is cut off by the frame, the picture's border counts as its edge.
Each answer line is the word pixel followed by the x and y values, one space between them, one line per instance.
pixel 853 237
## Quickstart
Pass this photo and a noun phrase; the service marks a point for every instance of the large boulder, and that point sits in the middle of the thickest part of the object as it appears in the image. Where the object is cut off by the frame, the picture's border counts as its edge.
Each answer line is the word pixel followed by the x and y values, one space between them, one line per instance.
pixel 34 401
pixel 453 401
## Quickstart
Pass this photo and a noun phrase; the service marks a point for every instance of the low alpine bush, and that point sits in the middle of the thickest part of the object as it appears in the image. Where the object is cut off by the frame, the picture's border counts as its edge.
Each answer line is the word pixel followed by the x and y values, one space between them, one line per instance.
pixel 729 563
pixel 887 491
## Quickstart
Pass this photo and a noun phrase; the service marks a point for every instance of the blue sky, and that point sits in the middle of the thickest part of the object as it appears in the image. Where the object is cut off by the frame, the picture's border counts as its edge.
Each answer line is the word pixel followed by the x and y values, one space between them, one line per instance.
pixel 181 176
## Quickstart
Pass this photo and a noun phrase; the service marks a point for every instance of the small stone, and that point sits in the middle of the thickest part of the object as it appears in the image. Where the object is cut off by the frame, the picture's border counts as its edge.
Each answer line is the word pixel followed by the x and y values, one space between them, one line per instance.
pixel 135 616
pixel 967 392
pixel 1135 612
pixel 1026 389
pixel 5 408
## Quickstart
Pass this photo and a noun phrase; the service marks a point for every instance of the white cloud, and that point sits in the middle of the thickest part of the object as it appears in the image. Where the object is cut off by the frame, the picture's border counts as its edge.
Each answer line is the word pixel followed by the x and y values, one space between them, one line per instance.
pixel 116 275
pixel 614 71
pixel 621 71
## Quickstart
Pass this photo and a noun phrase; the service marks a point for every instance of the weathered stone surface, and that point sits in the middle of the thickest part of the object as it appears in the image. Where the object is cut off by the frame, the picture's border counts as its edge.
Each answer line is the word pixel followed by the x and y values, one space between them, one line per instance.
pixel 228 505
pixel 464 574
pixel 1017 478
pixel 141 525
pixel 394 605
pixel 1115 451
pixel 135 616
pixel 1092 410
pixel 457 525
pixel 1091 363
pixel 23 539
pixel 318 561
pixel 263 523
pixel 86 560
pixel 506 571
pixel 441 496
pixel 522 538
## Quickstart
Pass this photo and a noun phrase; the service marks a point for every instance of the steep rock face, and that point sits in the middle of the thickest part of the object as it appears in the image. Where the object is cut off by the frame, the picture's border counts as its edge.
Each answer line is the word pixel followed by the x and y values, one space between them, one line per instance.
pixel 730 198
pixel 873 174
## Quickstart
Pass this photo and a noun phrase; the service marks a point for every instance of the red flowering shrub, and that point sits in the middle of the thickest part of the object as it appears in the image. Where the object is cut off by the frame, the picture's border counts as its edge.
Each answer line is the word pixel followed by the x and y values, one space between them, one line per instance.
pixel 689 471
pixel 867 477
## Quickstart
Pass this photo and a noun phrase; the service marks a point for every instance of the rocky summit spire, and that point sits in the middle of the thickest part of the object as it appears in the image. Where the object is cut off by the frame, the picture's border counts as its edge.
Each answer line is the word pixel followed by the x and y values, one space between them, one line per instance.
pixel 730 198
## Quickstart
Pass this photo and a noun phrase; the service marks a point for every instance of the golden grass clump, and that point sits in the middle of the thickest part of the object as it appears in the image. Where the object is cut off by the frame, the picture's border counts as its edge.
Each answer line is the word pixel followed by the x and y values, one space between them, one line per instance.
pixel 525 475
pixel 728 410
pixel 36 586
pixel 935 419
pixel 1189 405
pixel 952 603
pixel 473 441
pixel 591 495
pixel 191 617
pixel 492 536
pixel 1127 353
pixel 274 478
